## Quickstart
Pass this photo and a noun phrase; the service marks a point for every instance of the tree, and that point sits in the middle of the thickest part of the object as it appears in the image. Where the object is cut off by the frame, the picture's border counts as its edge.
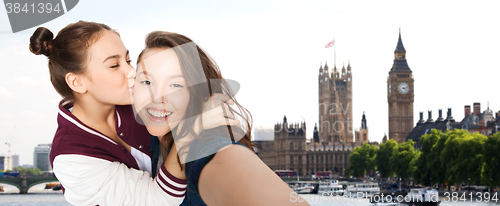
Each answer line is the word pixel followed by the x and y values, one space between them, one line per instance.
pixel 383 158
pixel 28 171
pixel 491 176
pixel 362 160
pixel 436 166
pixel 422 170
pixel 400 161
pixel 355 163
pixel 413 163
pixel 463 156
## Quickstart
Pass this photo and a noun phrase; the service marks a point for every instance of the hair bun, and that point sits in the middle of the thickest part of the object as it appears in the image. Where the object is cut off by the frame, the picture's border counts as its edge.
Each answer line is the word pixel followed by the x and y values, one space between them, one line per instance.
pixel 41 41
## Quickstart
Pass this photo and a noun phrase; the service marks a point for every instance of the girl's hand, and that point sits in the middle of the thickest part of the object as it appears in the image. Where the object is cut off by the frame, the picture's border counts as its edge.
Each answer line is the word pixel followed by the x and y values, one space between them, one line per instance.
pixel 216 113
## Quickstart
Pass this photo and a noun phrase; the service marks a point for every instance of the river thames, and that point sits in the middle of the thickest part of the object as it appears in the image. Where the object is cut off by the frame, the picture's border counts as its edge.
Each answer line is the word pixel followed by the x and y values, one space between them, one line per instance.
pixel 40 197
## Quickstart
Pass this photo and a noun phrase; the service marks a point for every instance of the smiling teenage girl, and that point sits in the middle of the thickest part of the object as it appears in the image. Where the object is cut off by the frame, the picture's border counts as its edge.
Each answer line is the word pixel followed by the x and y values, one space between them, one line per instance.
pixel 99 153
pixel 174 75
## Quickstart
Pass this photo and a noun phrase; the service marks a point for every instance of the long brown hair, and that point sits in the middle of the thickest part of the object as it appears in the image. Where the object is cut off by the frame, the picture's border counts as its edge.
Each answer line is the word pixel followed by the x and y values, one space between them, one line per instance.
pixel 162 39
pixel 68 52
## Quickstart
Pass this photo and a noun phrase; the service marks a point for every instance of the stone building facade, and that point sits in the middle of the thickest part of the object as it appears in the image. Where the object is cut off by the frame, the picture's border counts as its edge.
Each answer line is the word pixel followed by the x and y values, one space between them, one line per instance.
pixel 335 104
pixel 291 150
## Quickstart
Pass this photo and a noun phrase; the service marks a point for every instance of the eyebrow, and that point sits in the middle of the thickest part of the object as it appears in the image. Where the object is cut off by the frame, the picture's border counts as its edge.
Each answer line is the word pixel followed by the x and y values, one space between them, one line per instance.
pixel 177 76
pixel 143 72
pixel 172 77
pixel 116 56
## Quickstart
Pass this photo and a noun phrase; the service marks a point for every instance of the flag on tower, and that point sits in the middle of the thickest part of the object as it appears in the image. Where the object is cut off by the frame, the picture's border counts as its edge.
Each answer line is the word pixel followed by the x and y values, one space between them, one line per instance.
pixel 330 44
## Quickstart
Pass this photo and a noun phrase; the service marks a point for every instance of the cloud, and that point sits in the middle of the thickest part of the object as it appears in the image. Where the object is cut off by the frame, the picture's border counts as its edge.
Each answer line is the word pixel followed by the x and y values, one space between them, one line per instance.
pixel 4 93
pixel 5 116
pixel 33 114
pixel 25 81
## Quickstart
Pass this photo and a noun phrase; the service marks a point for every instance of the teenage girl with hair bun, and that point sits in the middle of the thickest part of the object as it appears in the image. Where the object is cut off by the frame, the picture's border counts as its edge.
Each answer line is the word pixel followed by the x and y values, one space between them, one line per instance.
pixel 100 154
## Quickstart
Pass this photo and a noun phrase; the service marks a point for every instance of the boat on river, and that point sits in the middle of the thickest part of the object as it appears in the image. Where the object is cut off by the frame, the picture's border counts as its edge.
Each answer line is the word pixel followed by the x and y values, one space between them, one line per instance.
pixel 330 187
pixel 362 189
pixel 422 197
pixel 304 187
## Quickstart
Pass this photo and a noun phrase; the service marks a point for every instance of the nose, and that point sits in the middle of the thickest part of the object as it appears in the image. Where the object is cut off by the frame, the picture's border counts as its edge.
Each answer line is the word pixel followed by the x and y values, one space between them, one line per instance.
pixel 131 77
pixel 159 93
pixel 156 93
pixel 159 100
pixel 131 73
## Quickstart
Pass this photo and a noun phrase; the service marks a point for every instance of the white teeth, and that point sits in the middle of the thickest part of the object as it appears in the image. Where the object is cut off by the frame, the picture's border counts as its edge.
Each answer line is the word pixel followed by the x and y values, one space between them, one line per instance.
pixel 156 113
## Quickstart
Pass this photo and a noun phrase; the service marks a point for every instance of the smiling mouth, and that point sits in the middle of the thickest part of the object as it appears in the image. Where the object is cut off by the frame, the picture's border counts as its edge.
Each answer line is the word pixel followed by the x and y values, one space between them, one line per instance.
pixel 159 113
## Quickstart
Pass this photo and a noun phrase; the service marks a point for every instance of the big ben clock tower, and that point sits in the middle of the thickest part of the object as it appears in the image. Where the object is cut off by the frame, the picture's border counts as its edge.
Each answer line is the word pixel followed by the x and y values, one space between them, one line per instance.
pixel 400 95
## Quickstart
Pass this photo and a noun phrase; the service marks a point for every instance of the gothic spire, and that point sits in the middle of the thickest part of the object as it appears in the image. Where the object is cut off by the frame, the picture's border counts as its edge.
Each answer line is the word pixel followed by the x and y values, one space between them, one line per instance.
pixel 400 63
pixel 363 121
pixel 400 47
pixel 326 67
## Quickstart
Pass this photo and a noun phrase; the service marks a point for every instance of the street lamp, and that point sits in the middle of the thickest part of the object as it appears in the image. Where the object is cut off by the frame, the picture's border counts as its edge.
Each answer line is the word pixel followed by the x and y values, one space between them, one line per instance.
pixel 469 185
pixel 491 183
pixel 449 184
pixel 400 184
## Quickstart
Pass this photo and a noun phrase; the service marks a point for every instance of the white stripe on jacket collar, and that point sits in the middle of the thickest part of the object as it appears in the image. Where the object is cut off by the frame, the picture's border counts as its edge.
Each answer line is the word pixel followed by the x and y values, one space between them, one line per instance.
pixel 83 127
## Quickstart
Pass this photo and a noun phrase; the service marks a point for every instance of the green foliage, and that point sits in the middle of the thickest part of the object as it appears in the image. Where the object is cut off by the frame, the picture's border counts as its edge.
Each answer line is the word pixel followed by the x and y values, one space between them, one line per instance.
pixel 438 169
pixel 422 172
pixel 451 157
pixel 491 176
pixel 362 160
pixel 383 157
pixel 400 161
pixel 457 156
pixel 413 163
pixel 463 156
pixel 28 171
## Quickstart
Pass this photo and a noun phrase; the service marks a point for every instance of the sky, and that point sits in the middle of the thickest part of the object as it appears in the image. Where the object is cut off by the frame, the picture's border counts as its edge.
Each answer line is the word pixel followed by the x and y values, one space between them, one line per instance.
pixel 274 50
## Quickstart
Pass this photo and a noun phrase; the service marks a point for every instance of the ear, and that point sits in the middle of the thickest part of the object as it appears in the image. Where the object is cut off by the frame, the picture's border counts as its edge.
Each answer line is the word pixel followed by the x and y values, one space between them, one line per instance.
pixel 75 82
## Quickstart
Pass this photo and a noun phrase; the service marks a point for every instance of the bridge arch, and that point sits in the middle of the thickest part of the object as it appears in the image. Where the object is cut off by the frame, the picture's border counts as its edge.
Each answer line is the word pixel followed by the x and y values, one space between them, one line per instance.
pixel 24 183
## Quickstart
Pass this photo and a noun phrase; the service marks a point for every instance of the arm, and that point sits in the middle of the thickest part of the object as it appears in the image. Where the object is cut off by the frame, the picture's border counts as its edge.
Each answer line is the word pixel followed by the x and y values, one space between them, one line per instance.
pixel 216 113
pixel 241 178
pixel 93 181
pixel 171 163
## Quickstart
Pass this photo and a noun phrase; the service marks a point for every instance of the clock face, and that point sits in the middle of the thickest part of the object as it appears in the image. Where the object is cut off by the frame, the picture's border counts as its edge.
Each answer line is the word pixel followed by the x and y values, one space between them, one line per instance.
pixel 403 88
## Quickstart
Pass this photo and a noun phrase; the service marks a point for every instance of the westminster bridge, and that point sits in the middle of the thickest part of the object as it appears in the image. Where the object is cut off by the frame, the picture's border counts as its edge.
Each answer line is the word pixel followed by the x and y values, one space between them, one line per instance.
pixel 25 183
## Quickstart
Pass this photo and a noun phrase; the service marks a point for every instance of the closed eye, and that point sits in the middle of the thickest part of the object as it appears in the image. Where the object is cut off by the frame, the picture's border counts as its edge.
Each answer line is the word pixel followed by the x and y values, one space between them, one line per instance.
pixel 117 65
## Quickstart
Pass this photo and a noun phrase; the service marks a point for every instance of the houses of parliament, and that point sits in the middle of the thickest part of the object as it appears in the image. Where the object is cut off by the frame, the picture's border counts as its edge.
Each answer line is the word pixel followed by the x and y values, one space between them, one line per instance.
pixel 333 137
